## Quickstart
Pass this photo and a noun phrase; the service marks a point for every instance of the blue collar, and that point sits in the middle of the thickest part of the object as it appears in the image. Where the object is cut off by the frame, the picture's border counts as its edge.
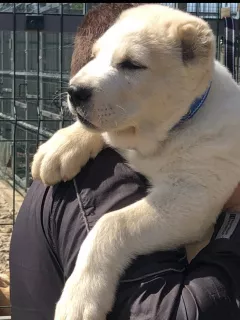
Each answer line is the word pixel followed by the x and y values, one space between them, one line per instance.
pixel 195 106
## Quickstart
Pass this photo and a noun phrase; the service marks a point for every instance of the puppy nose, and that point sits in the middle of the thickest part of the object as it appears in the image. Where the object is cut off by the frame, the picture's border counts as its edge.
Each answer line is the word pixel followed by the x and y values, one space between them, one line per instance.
pixel 78 94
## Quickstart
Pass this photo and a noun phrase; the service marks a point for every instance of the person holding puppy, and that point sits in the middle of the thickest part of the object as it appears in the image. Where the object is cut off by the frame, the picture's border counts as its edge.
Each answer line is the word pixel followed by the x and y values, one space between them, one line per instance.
pixel 54 221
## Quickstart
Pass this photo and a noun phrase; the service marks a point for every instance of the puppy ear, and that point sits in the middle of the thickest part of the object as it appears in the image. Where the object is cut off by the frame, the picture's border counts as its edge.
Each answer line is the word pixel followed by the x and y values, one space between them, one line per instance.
pixel 197 41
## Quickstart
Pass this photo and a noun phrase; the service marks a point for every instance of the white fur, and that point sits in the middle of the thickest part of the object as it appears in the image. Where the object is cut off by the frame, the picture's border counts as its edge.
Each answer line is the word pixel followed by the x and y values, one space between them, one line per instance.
pixel 193 170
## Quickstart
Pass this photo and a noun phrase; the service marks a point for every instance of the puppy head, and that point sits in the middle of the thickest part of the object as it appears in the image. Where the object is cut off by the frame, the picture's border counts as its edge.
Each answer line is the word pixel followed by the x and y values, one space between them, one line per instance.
pixel 146 69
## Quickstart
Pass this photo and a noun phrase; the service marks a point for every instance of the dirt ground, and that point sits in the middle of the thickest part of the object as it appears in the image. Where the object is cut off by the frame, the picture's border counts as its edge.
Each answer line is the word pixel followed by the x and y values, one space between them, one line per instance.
pixel 5 233
pixel 6 215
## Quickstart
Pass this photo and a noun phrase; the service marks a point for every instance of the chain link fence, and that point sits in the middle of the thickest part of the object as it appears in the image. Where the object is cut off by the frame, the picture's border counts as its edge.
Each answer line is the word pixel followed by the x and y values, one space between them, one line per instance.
pixel 36 44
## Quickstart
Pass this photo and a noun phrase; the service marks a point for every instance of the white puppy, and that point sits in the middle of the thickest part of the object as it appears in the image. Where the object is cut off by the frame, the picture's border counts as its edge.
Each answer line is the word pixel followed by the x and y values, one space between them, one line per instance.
pixel 148 70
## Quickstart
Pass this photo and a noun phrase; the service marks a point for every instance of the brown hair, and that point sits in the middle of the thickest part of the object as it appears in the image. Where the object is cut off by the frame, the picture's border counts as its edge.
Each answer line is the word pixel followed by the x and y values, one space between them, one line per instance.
pixel 94 24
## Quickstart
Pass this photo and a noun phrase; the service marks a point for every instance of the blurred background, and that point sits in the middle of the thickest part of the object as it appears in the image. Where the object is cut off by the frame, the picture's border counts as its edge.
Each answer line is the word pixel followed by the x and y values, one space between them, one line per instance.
pixel 36 44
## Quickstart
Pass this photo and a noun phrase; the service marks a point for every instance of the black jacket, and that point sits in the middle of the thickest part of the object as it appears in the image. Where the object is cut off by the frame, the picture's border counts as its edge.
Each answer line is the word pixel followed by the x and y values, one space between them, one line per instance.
pixel 54 221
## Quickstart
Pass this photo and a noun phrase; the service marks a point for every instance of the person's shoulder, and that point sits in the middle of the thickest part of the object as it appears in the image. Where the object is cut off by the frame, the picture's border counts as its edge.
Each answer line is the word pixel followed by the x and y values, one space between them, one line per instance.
pixel 89 177
pixel 109 166
pixel 100 178
pixel 107 183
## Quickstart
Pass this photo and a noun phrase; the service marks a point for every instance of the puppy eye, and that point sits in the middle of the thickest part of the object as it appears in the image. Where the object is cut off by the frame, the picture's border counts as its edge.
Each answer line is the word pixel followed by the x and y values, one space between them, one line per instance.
pixel 130 65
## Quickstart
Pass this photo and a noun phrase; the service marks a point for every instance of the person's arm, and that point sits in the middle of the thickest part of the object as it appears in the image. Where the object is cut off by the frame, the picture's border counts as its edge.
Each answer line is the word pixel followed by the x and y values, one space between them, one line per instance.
pixel 36 280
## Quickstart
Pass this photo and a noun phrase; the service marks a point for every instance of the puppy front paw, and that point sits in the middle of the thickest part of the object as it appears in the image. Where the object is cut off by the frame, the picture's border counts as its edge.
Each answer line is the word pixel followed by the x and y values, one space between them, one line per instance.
pixel 65 153
pixel 80 300
pixel 89 292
